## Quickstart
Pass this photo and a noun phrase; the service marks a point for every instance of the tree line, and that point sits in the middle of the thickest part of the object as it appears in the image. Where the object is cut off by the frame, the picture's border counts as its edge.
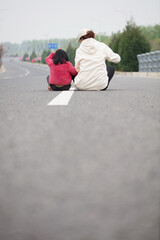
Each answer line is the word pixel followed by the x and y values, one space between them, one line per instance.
pixel 133 40
pixel 128 45
pixel 2 52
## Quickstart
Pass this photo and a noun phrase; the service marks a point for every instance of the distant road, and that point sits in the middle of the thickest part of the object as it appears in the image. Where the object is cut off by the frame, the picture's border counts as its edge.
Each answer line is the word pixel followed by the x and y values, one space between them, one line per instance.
pixel 88 170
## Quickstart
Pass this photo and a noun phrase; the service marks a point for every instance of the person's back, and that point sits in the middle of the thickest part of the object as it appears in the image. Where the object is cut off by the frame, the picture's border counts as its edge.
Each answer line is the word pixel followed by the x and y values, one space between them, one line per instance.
pixel 90 63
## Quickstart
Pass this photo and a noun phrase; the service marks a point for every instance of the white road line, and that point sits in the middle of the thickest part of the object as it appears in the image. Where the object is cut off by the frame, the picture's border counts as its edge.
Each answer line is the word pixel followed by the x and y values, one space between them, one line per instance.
pixel 27 71
pixel 63 98
pixel 24 69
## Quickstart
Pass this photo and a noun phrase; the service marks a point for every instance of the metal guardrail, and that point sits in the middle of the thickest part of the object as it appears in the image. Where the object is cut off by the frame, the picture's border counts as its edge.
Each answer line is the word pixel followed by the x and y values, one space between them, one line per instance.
pixel 149 62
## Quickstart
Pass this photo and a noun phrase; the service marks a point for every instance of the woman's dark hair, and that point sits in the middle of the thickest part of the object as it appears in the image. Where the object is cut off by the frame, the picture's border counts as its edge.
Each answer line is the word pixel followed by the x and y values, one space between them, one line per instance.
pixel 90 34
pixel 60 57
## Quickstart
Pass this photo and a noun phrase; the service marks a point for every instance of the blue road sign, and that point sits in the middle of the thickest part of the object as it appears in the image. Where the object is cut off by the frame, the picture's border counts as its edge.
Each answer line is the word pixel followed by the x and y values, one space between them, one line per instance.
pixel 52 45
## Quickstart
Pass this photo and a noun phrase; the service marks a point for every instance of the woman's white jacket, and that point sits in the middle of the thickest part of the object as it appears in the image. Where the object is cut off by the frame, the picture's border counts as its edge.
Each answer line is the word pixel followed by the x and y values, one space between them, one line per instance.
pixel 90 64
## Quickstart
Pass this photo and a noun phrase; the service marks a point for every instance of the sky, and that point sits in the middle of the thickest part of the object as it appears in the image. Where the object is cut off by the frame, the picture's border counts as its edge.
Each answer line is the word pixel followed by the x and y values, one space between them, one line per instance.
pixel 43 19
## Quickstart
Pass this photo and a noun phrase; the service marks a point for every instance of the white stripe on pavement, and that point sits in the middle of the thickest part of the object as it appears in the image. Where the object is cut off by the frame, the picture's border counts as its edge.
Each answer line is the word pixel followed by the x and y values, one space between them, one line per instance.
pixel 24 69
pixel 63 98
pixel 27 71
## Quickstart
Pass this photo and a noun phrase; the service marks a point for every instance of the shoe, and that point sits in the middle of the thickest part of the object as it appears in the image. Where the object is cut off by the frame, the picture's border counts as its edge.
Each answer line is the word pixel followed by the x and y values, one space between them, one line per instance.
pixel 49 88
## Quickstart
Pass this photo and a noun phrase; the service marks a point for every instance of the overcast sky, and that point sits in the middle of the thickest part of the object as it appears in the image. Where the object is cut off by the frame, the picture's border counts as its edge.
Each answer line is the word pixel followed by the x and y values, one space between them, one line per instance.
pixel 42 19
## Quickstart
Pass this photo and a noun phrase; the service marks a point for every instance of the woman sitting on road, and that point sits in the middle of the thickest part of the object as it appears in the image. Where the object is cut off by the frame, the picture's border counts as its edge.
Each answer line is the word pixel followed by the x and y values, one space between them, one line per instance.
pixel 90 62
pixel 61 71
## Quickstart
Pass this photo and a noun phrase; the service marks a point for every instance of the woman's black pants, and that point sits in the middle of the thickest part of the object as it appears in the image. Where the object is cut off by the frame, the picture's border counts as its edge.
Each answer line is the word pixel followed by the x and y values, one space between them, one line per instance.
pixel 110 73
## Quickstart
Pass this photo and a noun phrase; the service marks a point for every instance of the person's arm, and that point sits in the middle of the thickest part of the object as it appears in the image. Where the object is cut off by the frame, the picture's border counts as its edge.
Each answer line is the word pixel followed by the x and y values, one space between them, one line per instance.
pixel 72 70
pixel 49 59
pixel 77 62
pixel 111 56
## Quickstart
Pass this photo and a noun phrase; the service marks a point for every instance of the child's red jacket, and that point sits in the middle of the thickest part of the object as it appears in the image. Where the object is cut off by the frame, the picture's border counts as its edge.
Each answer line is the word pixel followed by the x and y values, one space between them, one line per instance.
pixel 60 74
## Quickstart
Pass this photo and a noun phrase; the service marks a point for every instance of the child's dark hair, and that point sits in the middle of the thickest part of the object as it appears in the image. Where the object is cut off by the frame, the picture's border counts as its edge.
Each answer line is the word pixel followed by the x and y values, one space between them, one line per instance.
pixel 60 57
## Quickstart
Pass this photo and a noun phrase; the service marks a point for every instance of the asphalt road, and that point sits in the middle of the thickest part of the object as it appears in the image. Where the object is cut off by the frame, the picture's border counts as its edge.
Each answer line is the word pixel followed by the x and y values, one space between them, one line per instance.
pixel 86 171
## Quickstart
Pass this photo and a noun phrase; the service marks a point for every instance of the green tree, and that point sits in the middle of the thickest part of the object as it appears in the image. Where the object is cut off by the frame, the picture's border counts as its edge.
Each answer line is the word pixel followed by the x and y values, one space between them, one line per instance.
pixel 24 56
pixel 71 53
pixel 44 55
pixel 155 44
pixel 151 32
pixel 114 45
pixel 2 52
pixel 33 55
pixel 132 42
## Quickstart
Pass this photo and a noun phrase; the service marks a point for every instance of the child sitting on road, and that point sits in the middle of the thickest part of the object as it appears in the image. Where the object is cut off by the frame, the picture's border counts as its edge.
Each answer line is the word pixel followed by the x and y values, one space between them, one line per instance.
pixel 61 71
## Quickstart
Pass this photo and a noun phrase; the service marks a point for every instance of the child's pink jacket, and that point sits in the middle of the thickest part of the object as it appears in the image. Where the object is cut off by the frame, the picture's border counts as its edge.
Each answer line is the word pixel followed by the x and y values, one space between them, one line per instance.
pixel 60 74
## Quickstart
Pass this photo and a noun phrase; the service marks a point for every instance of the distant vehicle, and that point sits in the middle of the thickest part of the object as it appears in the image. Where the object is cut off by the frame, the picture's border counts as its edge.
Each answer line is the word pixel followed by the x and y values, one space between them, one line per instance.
pixel 36 59
pixel 27 59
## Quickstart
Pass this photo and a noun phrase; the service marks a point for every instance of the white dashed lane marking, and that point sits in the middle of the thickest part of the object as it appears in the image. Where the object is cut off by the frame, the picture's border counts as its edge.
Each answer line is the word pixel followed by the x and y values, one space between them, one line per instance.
pixel 63 98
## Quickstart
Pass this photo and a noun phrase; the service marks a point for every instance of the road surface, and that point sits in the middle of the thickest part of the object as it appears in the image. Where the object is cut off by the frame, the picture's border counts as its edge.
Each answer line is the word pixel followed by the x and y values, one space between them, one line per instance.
pixel 87 170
